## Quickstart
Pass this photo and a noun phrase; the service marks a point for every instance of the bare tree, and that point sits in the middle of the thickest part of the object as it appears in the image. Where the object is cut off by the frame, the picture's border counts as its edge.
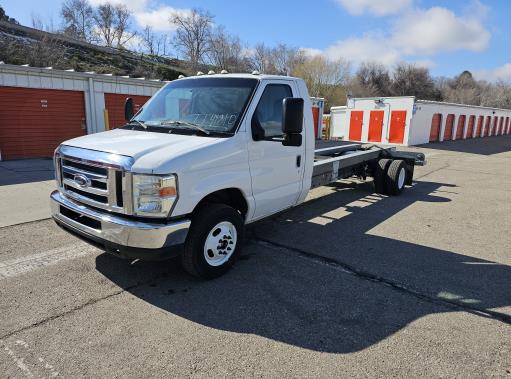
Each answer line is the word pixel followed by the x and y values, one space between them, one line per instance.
pixel 113 25
pixel 463 89
pixel 324 78
pixel 149 40
pixel 283 58
pixel 410 80
pixel 279 60
pixel 193 35
pixel 260 58
pixel 226 51
pixel 319 72
pixel 78 17
pixel 371 79
pixel 496 95
pixel 122 25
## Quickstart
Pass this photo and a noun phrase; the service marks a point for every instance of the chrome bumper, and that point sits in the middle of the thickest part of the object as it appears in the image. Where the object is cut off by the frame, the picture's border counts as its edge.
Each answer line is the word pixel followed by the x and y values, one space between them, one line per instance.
pixel 117 230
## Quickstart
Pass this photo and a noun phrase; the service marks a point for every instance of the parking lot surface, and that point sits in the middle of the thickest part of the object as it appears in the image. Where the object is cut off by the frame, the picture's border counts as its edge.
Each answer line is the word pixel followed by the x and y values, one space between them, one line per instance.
pixel 349 284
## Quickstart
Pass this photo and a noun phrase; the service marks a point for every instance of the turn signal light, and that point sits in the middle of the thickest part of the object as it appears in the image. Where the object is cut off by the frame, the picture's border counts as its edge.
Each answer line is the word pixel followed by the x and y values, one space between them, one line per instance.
pixel 167 191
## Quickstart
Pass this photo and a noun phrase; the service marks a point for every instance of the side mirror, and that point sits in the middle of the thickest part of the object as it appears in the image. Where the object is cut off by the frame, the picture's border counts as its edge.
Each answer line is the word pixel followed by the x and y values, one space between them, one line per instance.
pixel 128 109
pixel 292 121
pixel 292 115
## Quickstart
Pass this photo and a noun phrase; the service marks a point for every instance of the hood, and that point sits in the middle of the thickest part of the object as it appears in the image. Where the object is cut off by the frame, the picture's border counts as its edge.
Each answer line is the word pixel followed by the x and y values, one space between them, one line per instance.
pixel 138 143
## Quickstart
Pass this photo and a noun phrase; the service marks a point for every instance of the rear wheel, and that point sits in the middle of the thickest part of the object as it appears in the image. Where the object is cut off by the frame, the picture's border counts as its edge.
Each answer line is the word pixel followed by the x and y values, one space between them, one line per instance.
pixel 213 242
pixel 380 176
pixel 396 177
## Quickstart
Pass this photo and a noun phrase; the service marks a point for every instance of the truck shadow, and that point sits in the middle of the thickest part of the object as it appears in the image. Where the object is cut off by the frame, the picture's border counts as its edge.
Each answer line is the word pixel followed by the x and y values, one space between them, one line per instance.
pixel 334 287
pixel 482 146
pixel 26 171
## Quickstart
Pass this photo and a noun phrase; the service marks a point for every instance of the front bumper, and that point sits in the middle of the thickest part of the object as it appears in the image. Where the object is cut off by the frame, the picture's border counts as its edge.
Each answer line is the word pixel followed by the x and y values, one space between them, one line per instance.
pixel 119 235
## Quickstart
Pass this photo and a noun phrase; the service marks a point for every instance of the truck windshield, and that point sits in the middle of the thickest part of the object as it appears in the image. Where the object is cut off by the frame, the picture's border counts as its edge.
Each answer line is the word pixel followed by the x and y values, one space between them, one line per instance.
pixel 207 105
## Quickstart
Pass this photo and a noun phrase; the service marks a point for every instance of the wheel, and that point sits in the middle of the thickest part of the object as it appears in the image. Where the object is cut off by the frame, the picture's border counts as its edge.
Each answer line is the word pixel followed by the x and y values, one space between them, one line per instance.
pixel 396 177
pixel 213 242
pixel 379 176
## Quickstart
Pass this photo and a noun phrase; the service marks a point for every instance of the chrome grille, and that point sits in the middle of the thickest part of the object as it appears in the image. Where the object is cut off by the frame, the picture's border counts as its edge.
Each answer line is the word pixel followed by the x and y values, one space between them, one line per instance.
pixel 94 178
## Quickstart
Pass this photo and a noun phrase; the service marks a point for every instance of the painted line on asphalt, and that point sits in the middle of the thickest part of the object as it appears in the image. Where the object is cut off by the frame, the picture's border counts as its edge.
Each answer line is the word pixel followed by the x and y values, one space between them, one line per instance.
pixel 24 222
pixel 18 266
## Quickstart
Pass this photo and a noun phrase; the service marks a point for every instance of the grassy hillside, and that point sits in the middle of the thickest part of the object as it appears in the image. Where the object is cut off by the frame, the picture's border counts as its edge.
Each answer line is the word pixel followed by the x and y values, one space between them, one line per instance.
pixel 22 45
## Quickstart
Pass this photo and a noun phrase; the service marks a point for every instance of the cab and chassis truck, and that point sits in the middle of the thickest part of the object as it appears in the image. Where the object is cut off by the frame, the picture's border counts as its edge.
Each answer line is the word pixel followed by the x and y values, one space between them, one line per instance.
pixel 205 156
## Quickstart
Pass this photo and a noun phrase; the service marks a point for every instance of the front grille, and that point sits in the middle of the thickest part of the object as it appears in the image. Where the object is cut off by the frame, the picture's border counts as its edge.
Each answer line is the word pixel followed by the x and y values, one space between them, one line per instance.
pixel 98 198
pixel 98 183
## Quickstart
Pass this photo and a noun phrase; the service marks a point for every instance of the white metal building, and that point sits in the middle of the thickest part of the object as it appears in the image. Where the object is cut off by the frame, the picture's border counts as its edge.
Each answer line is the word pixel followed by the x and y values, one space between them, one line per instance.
pixel 407 121
pixel 42 107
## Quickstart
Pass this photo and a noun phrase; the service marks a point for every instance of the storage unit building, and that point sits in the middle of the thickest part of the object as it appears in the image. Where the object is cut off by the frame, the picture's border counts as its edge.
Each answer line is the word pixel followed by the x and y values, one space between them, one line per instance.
pixel 42 107
pixel 318 105
pixel 406 121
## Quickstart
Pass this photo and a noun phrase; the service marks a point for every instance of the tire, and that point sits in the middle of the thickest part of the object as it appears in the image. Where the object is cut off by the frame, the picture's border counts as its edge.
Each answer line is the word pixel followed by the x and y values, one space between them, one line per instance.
pixel 396 177
pixel 380 176
pixel 214 241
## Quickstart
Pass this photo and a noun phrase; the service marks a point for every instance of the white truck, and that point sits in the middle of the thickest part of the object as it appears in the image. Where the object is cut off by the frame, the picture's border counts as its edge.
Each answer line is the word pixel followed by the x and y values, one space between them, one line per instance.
pixel 203 157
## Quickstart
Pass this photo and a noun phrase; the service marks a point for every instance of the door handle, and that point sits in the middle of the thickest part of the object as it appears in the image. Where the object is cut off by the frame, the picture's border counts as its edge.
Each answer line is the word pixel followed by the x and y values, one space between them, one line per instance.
pixel 298 160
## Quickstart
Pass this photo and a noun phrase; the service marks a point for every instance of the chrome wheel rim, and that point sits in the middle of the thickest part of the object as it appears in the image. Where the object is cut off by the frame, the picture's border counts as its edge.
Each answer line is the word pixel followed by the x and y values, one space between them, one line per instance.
pixel 401 178
pixel 220 243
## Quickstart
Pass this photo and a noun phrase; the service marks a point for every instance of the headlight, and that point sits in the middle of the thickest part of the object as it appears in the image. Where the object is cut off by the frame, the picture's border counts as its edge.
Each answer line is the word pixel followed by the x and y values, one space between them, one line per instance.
pixel 153 195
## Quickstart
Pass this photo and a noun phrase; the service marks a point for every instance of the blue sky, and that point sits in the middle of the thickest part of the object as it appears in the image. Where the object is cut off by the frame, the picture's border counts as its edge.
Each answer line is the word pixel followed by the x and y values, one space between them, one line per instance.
pixel 447 36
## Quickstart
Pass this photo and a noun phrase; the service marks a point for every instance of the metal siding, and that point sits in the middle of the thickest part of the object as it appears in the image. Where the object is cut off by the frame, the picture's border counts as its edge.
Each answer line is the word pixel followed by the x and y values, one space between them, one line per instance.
pixel 470 129
pixel 486 130
pixel 501 125
pixel 33 122
pixel 375 126
pixel 114 103
pixel 480 123
pixel 9 80
pixel 449 125
pixel 356 120
pixel 22 81
pixel 436 123
pixel 461 126
pixel 397 126
pixel 315 118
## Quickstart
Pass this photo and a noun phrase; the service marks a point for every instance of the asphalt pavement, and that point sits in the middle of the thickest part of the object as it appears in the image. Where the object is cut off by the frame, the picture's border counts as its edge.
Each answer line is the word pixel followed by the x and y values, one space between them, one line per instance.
pixel 349 284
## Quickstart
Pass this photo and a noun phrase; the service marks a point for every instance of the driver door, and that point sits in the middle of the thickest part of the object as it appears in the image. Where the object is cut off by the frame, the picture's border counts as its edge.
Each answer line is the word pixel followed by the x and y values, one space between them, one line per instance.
pixel 276 170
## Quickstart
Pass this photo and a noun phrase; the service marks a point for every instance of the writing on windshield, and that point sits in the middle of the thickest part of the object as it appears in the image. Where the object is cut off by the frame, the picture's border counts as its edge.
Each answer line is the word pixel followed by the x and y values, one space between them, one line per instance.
pixel 215 104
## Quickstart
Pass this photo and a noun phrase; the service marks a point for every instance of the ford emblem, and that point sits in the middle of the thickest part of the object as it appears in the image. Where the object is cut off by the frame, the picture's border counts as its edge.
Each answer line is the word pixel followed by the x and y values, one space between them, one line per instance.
pixel 81 180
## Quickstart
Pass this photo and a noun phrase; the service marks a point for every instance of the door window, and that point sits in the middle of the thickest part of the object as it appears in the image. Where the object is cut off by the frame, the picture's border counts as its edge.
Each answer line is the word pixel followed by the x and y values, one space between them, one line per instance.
pixel 269 109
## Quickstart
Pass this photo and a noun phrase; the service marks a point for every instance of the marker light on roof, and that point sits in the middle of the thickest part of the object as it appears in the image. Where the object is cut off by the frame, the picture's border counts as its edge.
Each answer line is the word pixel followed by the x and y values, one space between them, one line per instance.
pixel 224 72
pixel 199 73
pixel 255 72
pixel 180 76
pixel 211 72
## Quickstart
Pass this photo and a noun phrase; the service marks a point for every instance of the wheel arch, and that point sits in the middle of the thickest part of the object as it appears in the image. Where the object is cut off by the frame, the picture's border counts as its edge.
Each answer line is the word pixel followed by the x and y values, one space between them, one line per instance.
pixel 233 197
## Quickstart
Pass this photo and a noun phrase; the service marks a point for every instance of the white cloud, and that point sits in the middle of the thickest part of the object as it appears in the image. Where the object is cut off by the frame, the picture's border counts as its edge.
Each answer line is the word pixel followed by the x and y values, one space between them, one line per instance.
pixel 375 7
pixel 437 30
pixel 415 35
pixel 500 73
pixel 132 5
pixel 370 47
pixel 159 19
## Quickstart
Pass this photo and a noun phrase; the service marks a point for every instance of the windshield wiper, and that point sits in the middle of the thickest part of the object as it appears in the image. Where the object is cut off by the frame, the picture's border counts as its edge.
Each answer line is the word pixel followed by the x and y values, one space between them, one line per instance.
pixel 141 123
pixel 186 124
